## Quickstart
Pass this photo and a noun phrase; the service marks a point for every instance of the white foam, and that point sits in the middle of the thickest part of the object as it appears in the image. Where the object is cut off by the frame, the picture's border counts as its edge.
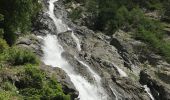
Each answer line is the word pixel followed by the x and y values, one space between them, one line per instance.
pixel 149 92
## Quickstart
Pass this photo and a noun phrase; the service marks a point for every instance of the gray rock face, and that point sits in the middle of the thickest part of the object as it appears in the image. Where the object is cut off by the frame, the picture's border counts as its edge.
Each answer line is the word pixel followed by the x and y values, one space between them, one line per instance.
pixel 103 59
pixel 160 90
pixel 99 55
pixel 44 24
pixel 102 53
pixel 78 67
pixel 126 48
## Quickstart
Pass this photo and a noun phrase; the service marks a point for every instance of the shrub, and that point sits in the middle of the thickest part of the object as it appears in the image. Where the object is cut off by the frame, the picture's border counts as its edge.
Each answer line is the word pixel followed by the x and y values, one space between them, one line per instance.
pixel 3 45
pixel 76 14
pixel 31 77
pixel 21 56
pixel 165 50
pixel 18 16
pixel 35 84
pixel 7 95
pixel 7 86
pixel 1 33
pixel 1 17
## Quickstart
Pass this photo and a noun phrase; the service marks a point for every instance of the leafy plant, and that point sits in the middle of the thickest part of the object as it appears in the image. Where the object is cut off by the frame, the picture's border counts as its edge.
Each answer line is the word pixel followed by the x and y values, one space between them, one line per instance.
pixel 35 84
pixel 3 45
pixel 18 16
pixel 21 56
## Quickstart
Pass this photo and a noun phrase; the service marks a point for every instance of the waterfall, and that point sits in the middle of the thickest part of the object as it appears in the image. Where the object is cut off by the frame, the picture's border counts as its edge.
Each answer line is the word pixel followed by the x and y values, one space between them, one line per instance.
pixel 149 92
pixel 52 56
pixel 76 40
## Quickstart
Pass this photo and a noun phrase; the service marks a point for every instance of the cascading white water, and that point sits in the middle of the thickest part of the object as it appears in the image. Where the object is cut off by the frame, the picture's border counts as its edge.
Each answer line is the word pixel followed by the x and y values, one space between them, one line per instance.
pixel 76 40
pixel 149 92
pixel 58 22
pixel 121 72
pixel 52 56
pixel 97 80
pixel 95 75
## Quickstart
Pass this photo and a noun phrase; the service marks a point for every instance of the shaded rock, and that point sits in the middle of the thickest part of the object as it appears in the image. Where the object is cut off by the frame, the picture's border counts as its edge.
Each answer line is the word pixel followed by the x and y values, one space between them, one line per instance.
pixel 159 90
pixel 129 89
pixel 126 47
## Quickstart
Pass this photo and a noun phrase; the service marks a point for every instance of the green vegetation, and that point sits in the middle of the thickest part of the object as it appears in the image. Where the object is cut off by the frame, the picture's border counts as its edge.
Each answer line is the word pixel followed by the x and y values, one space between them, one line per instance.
pixel 34 85
pixel 20 56
pixel 129 15
pixel 76 14
pixel 7 95
pixel 3 45
pixel 18 15
pixel 20 75
pixel 23 79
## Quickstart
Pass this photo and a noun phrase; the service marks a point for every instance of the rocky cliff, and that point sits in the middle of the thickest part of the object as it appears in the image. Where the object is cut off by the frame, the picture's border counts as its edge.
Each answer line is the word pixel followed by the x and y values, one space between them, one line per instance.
pixel 118 59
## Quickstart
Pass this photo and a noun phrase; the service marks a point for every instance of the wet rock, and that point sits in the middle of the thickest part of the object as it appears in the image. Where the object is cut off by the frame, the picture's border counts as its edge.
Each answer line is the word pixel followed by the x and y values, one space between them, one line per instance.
pixel 44 25
pixel 129 89
pixel 67 41
pixel 160 90
pixel 79 68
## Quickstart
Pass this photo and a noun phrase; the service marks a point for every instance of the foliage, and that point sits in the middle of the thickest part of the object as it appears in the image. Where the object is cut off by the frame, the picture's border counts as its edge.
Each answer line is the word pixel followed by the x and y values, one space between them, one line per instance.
pixel 3 45
pixel 7 95
pixel 1 17
pixel 1 33
pixel 167 11
pixel 35 85
pixel 20 56
pixel 7 86
pixel 18 15
pixel 76 14
pixel 129 15
pixel 31 83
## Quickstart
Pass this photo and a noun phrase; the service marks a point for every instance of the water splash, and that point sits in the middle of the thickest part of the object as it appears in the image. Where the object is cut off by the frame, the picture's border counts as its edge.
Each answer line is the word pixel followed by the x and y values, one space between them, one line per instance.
pixel 149 92
pixel 76 40
pixel 121 72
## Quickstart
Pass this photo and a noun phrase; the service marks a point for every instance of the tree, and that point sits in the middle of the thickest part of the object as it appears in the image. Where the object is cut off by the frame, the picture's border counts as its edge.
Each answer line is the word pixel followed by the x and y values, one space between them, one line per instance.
pixel 17 16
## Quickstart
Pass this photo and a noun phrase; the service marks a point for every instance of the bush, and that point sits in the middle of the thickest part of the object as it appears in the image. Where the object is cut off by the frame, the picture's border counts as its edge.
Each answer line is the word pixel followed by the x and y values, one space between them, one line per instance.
pixel 7 95
pixel 35 84
pixel 165 50
pixel 18 16
pixel 3 45
pixel 21 56
pixel 1 17
pixel 1 33
pixel 7 86
pixel 31 77
pixel 76 14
